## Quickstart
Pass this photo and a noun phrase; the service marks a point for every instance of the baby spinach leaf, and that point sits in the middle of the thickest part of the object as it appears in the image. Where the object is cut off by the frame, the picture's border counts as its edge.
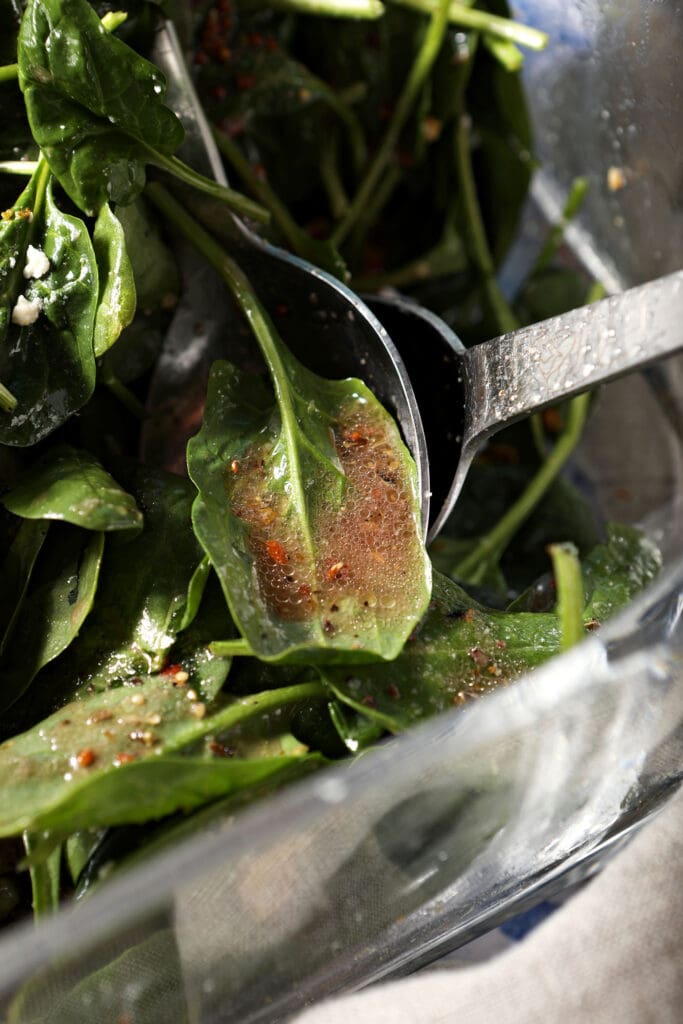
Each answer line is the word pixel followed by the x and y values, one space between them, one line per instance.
pixel 616 571
pixel 59 599
pixel 460 652
pixel 116 300
pixel 48 364
pixel 308 511
pixel 70 484
pixel 16 573
pixel 142 597
pixel 17 227
pixel 94 105
pixel 154 268
pixel 113 758
pixel 55 995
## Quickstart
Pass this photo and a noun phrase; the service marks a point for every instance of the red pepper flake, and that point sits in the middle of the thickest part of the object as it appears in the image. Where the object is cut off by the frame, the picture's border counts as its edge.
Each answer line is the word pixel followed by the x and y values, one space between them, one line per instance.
pixel 304 590
pixel 369 701
pixel 501 645
pixel 234 466
pixel 245 82
pixel 220 750
pixel 276 552
pixel 255 39
pixel 479 657
pixel 86 758
pixel 355 437
pixel 271 44
pixel 260 172
pixel 201 58
pixel 219 92
pixel 552 420
pixel 393 691
pixel 282 309
pixel 171 670
pixel 233 126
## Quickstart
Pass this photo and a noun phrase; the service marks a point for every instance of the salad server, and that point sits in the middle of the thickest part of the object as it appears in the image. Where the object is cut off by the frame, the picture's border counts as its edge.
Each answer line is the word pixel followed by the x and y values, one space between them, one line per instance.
pixel 403 352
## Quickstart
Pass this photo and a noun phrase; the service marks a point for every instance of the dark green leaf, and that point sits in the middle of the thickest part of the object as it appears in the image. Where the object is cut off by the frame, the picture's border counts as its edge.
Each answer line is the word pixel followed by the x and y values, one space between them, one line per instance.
pixel 16 573
pixel 116 304
pixel 143 984
pixel 48 365
pixel 60 597
pixel 95 106
pixel 71 485
pixel 78 849
pixel 126 846
pixel 316 537
pixel 113 758
pixel 460 652
pixel 616 571
pixel 142 598
pixel 154 268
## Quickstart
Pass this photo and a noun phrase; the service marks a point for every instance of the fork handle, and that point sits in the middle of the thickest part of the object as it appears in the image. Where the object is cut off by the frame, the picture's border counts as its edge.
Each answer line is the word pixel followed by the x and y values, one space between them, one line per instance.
pixel 526 370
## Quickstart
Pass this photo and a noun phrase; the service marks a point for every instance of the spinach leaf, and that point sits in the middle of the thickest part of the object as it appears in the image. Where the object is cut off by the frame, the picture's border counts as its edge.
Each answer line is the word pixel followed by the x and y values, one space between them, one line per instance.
pixel 114 758
pixel 95 106
pixel 16 573
pixel 55 995
pixel 308 512
pixel 154 268
pixel 460 652
pixel 156 284
pixel 116 301
pixel 71 485
pixel 142 598
pixel 60 597
pixel 616 571
pixel 48 364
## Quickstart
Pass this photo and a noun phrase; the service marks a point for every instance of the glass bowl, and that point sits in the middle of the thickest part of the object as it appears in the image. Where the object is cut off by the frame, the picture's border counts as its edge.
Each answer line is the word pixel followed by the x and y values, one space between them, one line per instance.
pixel 378 866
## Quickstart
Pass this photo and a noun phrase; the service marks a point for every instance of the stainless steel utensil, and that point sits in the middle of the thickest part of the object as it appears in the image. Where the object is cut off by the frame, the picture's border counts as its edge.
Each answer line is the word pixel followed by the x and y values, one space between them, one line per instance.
pixel 450 400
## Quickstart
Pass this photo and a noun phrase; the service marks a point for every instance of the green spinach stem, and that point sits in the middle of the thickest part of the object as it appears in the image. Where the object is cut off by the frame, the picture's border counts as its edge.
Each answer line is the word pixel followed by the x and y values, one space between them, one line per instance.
pixel 9 72
pixel 491 546
pixel 235 200
pixel 422 65
pixel 332 8
pixel 260 188
pixel 25 167
pixel 481 253
pixel 570 596
pixel 337 198
pixel 232 648
pixel 125 396
pixel 483 21
pixel 44 875
pixel 8 402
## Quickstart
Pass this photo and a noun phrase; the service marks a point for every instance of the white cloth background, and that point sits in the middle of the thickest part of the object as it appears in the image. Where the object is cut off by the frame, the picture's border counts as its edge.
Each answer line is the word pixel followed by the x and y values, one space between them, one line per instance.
pixel 612 955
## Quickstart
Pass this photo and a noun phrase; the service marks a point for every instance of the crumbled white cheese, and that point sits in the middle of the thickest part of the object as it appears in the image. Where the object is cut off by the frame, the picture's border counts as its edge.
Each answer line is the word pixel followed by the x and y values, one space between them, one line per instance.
pixel 12 262
pixel 37 263
pixel 26 311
